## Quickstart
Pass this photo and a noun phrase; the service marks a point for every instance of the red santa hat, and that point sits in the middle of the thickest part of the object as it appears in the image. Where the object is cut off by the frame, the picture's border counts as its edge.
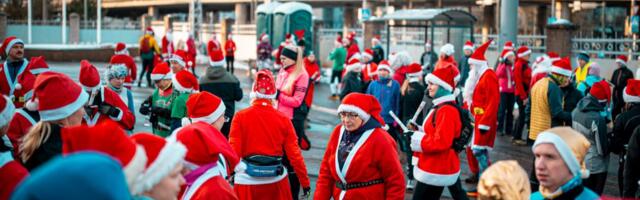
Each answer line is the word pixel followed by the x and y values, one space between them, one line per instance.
pixel 204 145
pixel 631 92
pixel 447 50
pixel 149 31
pixel 368 53
pixel 185 81
pixel 163 155
pixel 414 70
pixel 264 37
pixel 38 65
pixel 622 59
pixel 264 87
pixel 506 53
pixel 561 67
pixel 89 76
pixel 384 65
pixel 216 59
pixel 338 40
pixel 477 58
pixel 6 110
pixel 49 102
pixel 290 39
pixel 375 39
pixel 468 45
pixel 351 36
pixel 354 65
pixel 161 71
pixel 8 43
pixel 107 137
pixel 508 46
pixel 366 106
pixel 553 56
pixel 601 91
pixel 205 107
pixel 523 51
pixel 443 77
pixel 299 34
pixel 121 48
pixel 179 57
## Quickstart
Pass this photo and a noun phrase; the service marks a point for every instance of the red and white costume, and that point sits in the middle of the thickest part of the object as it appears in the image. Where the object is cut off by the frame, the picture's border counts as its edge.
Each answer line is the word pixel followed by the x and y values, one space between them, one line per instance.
pixel 7 85
pixel 369 69
pixel 167 44
pixel 163 155
pixel 209 157
pixel 276 137
pixel 437 163
pixel 183 59
pixel 373 157
pixel 90 80
pixel 216 57
pixel 542 66
pixel 11 172
pixel 122 57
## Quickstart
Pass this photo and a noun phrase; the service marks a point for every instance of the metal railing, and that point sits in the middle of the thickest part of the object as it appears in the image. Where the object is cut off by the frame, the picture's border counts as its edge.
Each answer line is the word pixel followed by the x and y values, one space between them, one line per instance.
pixel 605 46
pixel 91 24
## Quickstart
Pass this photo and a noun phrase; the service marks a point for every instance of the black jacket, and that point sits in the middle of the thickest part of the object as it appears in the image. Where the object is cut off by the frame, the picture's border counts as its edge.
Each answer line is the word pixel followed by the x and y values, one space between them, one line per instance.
pixel 411 100
pixel 631 166
pixel 51 148
pixel 351 82
pixel 378 54
pixel 223 84
pixel 623 126
pixel 571 97
pixel 619 80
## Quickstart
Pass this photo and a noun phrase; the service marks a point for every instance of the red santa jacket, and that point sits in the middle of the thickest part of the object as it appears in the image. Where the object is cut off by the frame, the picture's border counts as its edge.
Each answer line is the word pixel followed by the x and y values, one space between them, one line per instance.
pixel 19 126
pixel 276 136
pixel 369 72
pixel 167 47
pixel 229 48
pixel 215 50
pixel 438 163
pixel 484 106
pixel 373 157
pixel 400 74
pixel 314 75
pixel 128 61
pixel 11 174
pixel 8 86
pixel 352 50
pixel 210 185
pixel 126 119
pixel 522 78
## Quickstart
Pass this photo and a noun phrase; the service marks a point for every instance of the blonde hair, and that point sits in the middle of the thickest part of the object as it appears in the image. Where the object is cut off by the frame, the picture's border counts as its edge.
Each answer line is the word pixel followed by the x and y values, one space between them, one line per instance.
pixel 504 180
pixel 299 69
pixel 36 136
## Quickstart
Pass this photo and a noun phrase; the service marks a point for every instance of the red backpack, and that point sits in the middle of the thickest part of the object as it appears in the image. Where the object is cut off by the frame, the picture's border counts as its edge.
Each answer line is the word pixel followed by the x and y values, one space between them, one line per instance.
pixel 144 45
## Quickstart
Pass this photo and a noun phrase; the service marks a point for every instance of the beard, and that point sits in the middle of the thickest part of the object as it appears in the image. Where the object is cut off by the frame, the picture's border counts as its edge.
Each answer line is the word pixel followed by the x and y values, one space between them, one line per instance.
pixel 470 85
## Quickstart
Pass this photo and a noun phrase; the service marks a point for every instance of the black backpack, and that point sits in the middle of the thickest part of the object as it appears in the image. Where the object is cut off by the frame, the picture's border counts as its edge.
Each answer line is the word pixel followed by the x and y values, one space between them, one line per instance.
pixel 466 130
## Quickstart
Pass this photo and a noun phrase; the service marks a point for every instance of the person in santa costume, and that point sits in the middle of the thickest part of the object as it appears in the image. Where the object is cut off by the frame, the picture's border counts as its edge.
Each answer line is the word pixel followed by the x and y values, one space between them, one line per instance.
pixel 437 165
pixel 560 165
pixel 352 45
pixel 208 160
pixel 281 170
pixel 481 94
pixel 504 180
pixel 192 53
pixel 463 62
pixel 506 80
pixel 11 171
pixel 214 49
pixel 352 80
pixel 180 61
pixel 229 52
pixel 185 84
pixel 122 57
pixel 361 160
pixel 264 52
pixel 162 178
pixel 619 79
pixel 542 65
pixel 15 64
pixel 116 76
pixel 43 141
pixel 25 118
pixel 106 137
pixel 85 175
pixel 399 62
pixel 148 51
pixel 167 44
pixel 104 104
pixel 158 106
pixel 223 84
pixel 313 70
pixel 369 67
pixel 446 59
pixel 522 77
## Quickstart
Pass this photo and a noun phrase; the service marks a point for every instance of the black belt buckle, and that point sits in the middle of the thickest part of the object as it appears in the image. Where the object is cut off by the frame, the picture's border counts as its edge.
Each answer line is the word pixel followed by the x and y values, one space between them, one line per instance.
pixel 347 186
pixel 340 185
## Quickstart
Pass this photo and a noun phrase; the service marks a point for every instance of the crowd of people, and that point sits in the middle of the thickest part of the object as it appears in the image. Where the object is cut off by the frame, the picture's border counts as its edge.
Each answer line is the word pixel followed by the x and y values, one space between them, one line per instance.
pixel 402 124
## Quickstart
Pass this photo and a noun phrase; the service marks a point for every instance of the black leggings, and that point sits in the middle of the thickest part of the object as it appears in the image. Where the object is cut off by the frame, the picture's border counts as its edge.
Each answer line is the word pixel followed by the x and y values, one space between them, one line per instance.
pixel 517 131
pixel 336 74
pixel 505 113
pixel 596 182
pixel 229 60
pixel 147 67
pixel 294 183
pixel 428 192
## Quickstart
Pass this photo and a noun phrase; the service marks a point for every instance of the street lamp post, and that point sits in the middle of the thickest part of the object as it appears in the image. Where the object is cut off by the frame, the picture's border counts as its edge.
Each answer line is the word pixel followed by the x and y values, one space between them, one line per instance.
pixel 99 22
pixel 29 18
pixel 64 21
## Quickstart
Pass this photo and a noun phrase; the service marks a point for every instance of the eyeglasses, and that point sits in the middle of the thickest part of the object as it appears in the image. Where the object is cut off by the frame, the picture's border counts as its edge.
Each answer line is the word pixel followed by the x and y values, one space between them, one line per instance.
pixel 348 115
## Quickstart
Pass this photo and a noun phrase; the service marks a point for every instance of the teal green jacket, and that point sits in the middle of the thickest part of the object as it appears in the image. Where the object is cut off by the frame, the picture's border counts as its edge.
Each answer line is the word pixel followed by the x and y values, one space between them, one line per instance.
pixel 338 56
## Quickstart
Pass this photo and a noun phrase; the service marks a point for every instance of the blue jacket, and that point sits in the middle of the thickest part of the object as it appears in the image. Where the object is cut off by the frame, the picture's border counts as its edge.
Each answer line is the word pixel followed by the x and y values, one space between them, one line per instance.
pixel 388 94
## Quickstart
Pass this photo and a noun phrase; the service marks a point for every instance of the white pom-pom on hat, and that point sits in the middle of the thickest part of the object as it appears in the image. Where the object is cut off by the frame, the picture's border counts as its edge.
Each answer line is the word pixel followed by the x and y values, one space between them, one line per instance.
pixel 32 105
pixel 186 121
pixel 18 86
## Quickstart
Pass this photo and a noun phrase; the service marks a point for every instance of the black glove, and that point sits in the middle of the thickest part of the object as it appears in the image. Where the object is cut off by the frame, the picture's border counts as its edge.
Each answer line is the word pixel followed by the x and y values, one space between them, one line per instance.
pixel 161 112
pixel 145 107
pixel 408 134
pixel 109 110
pixel 306 193
pixel 277 94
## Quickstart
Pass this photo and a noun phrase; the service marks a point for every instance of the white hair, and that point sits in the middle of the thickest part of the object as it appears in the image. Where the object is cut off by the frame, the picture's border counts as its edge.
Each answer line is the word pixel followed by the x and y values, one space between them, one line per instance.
pixel 447 49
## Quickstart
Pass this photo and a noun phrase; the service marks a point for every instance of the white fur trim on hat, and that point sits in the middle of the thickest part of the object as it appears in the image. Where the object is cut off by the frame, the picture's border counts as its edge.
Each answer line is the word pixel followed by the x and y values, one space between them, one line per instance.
pixel 509 53
pixel 352 108
pixel 178 59
pixel 156 77
pixel 209 119
pixel 447 49
pixel 122 52
pixel 366 55
pixel 629 98
pixel 39 70
pixel 171 155
pixel 385 67
pixel 473 61
pixel 7 112
pixel 430 78
pixel 177 86
pixel 355 66
pixel 415 74
pixel 11 43
pixel 216 63
pixel 466 47
pixel 527 52
pixel 618 60
pixel 565 152
pixel 64 111
pixel 560 70
pixel 135 167
pixel 259 95
pixel 92 89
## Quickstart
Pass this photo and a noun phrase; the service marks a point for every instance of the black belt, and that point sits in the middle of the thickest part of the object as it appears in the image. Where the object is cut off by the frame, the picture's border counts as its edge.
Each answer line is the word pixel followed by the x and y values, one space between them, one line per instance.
pixel 348 186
